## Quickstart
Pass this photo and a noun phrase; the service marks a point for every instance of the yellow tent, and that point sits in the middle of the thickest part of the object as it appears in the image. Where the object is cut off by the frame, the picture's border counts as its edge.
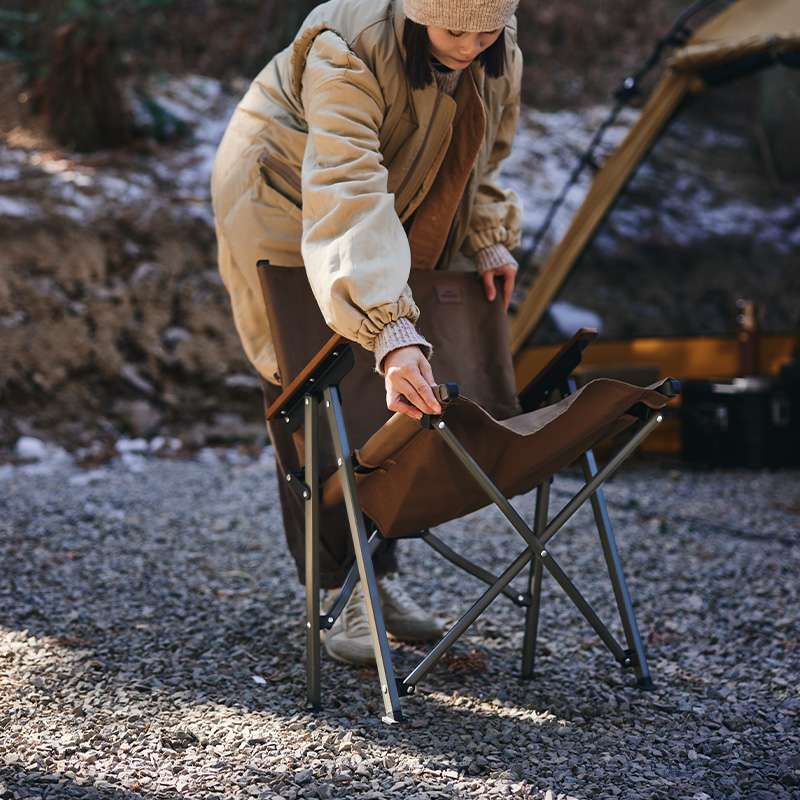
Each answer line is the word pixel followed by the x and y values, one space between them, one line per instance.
pixel 748 35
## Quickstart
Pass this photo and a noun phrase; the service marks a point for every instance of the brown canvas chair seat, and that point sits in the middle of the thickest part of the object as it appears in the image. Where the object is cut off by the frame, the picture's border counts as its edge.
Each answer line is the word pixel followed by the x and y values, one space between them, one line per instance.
pixel 396 477
pixel 409 478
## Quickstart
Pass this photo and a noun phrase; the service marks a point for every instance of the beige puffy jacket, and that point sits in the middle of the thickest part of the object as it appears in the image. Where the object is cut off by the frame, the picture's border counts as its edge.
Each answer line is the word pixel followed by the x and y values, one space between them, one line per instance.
pixel 330 152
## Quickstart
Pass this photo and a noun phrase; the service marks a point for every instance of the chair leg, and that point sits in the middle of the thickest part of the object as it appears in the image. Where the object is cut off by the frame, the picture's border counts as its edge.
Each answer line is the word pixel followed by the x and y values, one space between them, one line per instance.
pixel 366 570
pixel 636 655
pixel 532 619
pixel 535 585
pixel 312 552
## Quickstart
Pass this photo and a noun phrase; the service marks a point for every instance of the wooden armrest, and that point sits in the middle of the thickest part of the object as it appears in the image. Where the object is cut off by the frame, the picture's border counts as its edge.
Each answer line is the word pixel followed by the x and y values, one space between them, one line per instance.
pixel 290 394
pixel 557 370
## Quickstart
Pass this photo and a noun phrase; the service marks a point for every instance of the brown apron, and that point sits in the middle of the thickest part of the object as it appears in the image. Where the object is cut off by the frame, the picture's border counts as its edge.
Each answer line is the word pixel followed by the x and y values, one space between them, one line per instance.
pixel 433 219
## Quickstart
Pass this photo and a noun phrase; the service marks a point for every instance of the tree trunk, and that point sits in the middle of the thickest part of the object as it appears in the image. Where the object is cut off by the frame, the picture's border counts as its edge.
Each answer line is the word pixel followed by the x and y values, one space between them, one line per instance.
pixel 82 101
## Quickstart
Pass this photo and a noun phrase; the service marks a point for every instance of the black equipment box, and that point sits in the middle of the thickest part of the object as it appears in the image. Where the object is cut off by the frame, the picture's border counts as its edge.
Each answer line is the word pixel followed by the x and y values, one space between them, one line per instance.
pixel 747 422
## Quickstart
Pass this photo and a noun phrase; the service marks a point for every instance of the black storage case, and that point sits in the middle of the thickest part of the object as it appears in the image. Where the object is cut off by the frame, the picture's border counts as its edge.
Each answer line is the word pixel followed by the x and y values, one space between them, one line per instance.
pixel 748 422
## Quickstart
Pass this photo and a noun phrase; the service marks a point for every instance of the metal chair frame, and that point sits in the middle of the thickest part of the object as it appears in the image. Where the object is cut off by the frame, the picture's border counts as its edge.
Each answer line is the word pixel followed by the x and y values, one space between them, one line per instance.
pixel 301 404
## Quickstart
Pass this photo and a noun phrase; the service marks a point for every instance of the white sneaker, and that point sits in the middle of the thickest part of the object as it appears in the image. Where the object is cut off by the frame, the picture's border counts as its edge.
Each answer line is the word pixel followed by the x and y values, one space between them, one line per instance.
pixel 349 639
pixel 404 618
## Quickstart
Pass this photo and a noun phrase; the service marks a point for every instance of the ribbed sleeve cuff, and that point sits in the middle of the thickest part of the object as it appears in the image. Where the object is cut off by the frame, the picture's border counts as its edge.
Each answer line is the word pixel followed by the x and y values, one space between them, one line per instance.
pixel 399 333
pixel 497 255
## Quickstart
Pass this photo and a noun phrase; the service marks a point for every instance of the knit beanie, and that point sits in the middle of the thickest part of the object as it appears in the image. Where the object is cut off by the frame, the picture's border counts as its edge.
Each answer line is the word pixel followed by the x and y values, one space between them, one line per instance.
pixel 461 15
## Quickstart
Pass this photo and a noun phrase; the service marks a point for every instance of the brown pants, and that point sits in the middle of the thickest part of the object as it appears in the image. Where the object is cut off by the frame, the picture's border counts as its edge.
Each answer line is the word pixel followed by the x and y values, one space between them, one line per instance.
pixel 336 542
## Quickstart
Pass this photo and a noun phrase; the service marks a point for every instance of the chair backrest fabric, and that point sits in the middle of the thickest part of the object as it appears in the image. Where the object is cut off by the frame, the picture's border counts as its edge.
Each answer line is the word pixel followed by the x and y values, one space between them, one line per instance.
pixel 470 337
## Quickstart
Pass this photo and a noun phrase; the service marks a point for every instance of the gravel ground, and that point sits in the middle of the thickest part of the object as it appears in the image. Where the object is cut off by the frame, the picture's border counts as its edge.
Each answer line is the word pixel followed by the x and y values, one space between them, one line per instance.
pixel 151 647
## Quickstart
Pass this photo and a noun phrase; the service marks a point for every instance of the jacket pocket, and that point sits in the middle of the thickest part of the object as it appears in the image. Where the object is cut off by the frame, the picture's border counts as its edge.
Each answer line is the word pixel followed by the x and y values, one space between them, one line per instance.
pixel 280 184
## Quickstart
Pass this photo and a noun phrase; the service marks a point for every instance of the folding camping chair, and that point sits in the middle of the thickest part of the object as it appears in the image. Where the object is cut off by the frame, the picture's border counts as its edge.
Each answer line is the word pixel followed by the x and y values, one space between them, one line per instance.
pixel 399 478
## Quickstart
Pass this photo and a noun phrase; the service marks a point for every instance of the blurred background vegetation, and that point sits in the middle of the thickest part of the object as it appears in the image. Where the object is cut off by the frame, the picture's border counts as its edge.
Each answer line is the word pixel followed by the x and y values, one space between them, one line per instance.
pixel 72 55
pixel 113 317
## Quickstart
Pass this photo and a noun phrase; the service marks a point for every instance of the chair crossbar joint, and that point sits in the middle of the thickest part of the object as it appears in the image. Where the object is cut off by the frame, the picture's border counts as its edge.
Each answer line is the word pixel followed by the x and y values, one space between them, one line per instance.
pixel 297 483
pixel 430 421
pixel 326 622
pixel 405 689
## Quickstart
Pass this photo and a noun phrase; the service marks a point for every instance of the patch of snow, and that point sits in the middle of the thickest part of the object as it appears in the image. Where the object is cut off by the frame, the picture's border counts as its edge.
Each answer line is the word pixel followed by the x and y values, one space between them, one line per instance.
pixel 132 446
pixel 174 180
pixel 569 317
pixel 207 455
pixel 78 178
pixel 46 456
pixel 698 208
pixel 546 150
pixel 47 467
pixel 133 461
pixel 89 477
pixel 236 457
pixel 30 448
pixel 75 204
pixel 15 156
pixel 10 173
pixel 14 207
pixel 266 458
pixel 128 189
pixel 242 381
pixel 161 444
pixel 174 334
pixel 13 320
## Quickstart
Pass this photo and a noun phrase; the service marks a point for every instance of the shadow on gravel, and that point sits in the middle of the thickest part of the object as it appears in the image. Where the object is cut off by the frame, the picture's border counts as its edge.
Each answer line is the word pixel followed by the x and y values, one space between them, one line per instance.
pixel 34 785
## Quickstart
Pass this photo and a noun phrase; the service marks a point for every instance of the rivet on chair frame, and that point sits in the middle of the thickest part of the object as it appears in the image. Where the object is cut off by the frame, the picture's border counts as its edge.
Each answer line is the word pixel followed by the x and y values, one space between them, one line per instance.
pixel 441 424
pixel 543 554
pixel 308 625
pixel 288 476
pixel 305 495
pixel 339 461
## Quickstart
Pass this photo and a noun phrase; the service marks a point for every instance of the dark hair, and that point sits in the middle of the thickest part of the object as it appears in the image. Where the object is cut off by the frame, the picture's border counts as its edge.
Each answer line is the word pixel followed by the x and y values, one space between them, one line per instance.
pixel 418 55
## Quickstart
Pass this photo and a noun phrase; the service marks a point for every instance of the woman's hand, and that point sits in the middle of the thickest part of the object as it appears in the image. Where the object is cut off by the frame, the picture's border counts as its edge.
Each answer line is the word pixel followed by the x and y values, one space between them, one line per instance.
pixel 508 273
pixel 408 378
